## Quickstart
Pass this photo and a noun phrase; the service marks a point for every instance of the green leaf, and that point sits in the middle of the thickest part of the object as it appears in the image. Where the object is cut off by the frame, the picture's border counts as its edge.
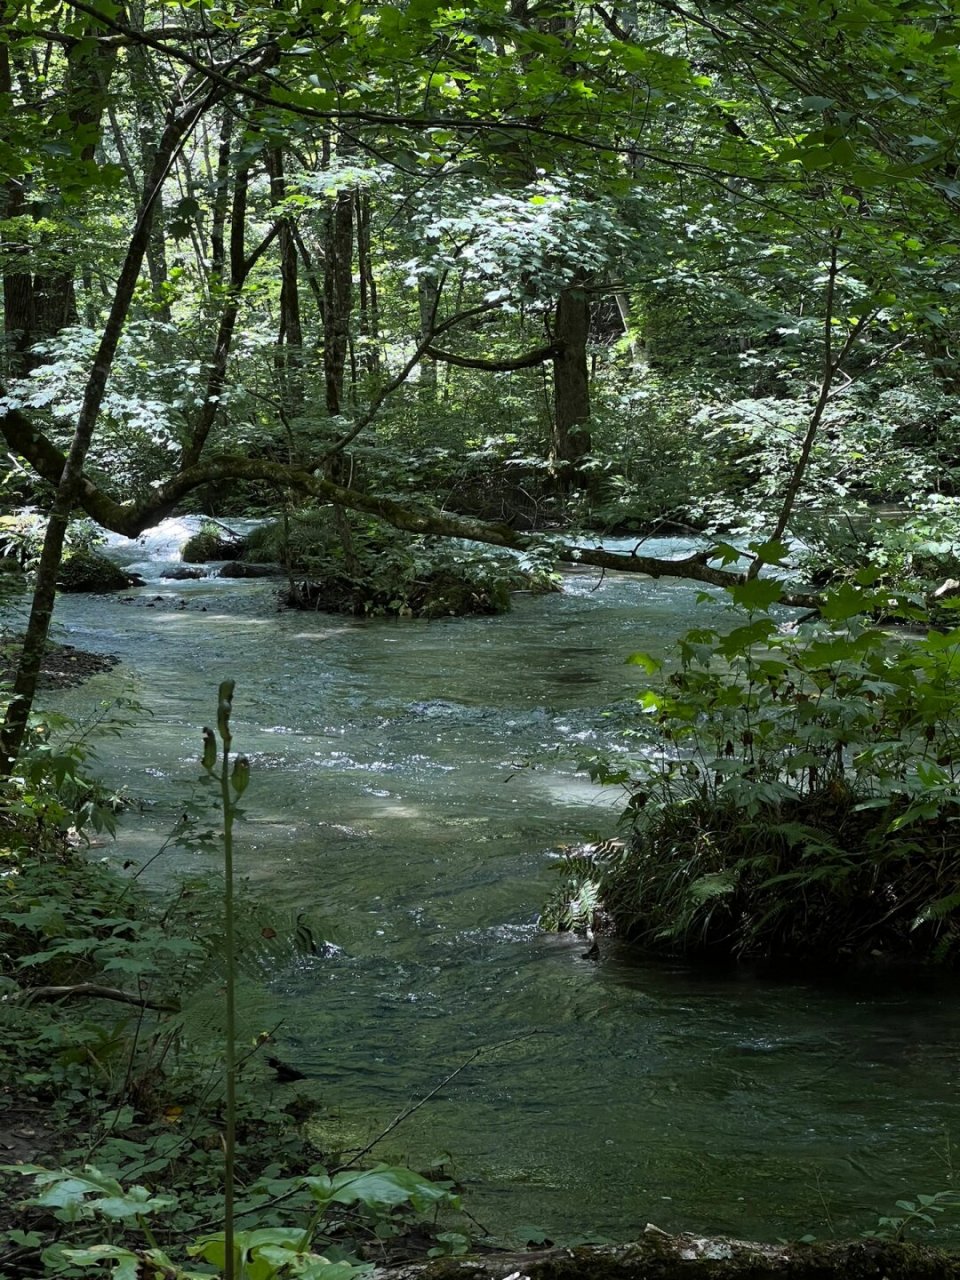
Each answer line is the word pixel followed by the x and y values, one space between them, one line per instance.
pixel 640 659
pixel 742 639
pixel 937 910
pixel 770 552
pixel 813 102
pixel 127 1263
pixel 725 553
pixel 386 1187
pixel 757 593
pixel 846 602
pixel 715 885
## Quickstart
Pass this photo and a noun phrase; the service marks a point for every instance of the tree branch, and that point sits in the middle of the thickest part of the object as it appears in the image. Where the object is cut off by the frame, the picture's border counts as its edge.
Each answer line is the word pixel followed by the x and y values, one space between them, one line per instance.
pixel 131 518
pixel 398 379
pixel 94 991
pixel 831 367
pixel 528 361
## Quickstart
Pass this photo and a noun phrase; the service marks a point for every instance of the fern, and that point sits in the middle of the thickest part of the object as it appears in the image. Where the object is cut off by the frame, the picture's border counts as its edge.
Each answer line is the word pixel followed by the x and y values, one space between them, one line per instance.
pixel 937 910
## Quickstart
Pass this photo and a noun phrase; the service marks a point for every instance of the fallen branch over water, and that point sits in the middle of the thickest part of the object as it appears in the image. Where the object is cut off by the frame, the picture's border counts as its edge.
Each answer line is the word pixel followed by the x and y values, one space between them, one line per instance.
pixel 132 516
pixel 659 1256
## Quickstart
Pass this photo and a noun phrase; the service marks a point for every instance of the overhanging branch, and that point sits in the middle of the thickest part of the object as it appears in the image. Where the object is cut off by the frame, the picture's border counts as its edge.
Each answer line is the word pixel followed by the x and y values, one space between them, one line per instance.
pixel 131 518
pixel 528 361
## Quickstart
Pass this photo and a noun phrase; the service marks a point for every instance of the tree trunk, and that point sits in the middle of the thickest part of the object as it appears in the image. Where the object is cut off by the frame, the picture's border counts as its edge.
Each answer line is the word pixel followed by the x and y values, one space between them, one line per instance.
pixel 89 68
pixel 18 314
pixel 337 297
pixel 221 200
pixel 72 479
pixel 368 321
pixel 149 128
pixel 428 296
pixel 241 264
pixel 571 387
pixel 288 361
pixel 19 323
pixel 337 305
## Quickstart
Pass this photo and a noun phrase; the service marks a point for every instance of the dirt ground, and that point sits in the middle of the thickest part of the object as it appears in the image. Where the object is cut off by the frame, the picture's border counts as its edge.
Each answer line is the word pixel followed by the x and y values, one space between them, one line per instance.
pixel 63 667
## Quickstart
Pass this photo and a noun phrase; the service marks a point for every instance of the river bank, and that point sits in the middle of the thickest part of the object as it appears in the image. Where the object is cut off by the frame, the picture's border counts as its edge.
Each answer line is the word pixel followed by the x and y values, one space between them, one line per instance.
pixel 64 666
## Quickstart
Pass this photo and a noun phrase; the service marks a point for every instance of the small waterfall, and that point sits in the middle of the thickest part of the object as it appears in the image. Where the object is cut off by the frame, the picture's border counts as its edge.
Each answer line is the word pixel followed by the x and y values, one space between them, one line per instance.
pixel 158 553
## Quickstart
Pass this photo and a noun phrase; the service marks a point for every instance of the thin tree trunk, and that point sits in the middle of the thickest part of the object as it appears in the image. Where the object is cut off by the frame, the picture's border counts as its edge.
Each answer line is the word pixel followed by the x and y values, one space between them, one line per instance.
pixel 428 295
pixel 571 386
pixel 337 306
pixel 368 321
pixel 337 297
pixel 241 264
pixel 289 350
pixel 72 478
pixel 221 200
pixel 18 312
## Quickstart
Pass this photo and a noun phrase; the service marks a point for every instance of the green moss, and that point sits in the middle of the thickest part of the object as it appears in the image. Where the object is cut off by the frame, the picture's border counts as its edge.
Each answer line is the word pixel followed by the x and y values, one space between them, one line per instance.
pixel 212 543
pixel 85 570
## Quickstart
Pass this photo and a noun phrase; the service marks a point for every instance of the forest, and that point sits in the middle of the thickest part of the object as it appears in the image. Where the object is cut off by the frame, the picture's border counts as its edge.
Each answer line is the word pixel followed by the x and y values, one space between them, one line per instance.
pixel 567 394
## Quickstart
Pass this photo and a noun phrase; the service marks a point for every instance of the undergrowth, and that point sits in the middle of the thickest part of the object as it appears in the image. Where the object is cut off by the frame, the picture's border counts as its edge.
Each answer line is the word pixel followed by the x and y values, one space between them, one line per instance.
pixel 120 1055
pixel 375 571
pixel 798 796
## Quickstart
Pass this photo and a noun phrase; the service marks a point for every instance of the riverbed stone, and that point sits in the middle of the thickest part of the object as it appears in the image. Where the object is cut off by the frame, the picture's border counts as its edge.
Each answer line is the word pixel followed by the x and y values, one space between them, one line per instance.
pixel 241 569
pixel 660 1256
pixel 183 573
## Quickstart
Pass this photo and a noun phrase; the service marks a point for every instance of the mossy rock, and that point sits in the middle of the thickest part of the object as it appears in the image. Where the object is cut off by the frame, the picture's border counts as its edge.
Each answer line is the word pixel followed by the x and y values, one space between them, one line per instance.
pixel 436 595
pixel 84 570
pixel 212 543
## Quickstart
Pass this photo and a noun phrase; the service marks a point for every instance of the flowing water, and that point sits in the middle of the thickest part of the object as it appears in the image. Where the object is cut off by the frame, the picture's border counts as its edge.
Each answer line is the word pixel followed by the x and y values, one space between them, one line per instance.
pixel 412 785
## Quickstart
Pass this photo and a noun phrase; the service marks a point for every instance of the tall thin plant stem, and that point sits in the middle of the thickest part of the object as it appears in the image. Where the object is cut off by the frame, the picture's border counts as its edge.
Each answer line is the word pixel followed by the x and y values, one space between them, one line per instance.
pixel 232 785
pixel 832 362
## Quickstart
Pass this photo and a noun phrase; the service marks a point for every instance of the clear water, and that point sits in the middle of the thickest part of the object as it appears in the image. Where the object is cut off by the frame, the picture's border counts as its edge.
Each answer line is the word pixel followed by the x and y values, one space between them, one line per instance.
pixel 412 784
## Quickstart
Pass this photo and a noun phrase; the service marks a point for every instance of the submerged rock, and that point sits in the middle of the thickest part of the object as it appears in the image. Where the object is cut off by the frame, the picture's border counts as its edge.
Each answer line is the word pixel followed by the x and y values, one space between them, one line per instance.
pixel 183 573
pixel 240 569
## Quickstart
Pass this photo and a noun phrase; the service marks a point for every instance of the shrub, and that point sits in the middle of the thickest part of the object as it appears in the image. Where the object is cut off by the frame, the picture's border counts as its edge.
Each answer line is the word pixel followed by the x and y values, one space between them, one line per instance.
pixel 802 800
pixel 82 567
pixel 385 572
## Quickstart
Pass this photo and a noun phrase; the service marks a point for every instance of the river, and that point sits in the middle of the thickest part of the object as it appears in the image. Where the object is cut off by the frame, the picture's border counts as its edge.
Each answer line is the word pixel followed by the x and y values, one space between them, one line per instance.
pixel 412 785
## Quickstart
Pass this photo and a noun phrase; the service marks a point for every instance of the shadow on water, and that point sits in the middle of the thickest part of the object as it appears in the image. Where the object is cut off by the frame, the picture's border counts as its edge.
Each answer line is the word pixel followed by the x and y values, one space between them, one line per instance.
pixel 410 781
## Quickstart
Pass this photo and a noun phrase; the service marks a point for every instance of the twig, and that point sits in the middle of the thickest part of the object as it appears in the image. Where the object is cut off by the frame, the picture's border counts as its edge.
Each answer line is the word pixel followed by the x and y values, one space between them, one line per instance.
pixel 94 991
pixel 261 1041
pixel 415 1106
